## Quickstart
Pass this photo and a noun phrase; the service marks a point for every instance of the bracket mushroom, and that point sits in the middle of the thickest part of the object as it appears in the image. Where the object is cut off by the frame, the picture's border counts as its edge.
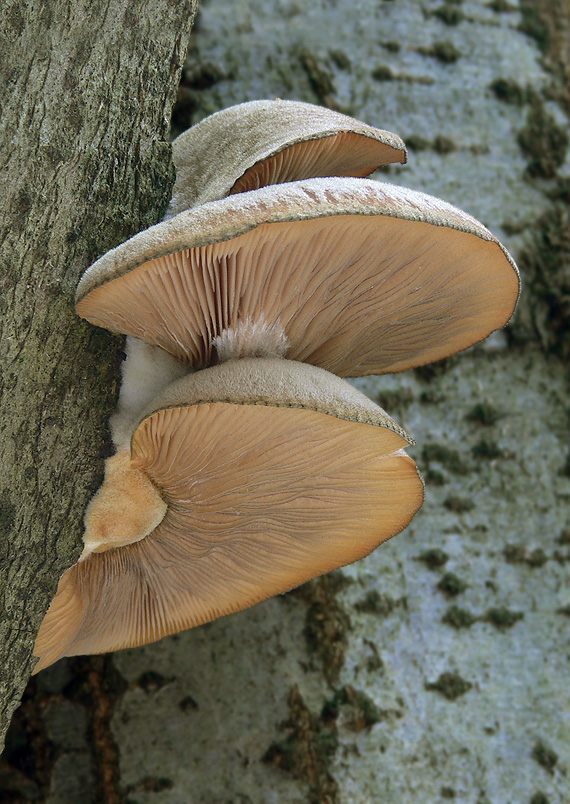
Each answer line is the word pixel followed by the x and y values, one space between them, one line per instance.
pixel 270 142
pixel 263 261
pixel 244 480
pixel 361 277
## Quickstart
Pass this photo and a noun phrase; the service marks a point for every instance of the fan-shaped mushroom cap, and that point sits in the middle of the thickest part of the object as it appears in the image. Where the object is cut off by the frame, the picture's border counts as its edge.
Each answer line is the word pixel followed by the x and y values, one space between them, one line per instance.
pixel 270 142
pixel 272 472
pixel 363 277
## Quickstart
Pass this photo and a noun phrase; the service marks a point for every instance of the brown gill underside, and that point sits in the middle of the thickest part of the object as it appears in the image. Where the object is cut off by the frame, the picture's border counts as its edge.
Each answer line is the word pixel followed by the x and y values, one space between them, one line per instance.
pixel 354 294
pixel 342 154
pixel 260 499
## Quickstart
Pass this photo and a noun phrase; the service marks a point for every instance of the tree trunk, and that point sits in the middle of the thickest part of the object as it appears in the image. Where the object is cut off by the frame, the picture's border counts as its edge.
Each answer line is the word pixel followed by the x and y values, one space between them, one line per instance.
pixel 87 90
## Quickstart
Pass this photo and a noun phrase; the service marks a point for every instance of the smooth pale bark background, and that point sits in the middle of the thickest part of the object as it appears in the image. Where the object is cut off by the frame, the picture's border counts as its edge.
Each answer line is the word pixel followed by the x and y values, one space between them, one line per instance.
pixel 415 675
pixel 86 90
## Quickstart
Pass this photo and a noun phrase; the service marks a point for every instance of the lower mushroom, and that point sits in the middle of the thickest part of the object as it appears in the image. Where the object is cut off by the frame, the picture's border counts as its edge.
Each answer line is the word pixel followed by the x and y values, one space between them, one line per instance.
pixel 258 474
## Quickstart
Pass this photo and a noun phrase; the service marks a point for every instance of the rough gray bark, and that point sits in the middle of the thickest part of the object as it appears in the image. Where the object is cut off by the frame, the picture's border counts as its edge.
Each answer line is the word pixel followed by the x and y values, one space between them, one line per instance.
pixel 87 90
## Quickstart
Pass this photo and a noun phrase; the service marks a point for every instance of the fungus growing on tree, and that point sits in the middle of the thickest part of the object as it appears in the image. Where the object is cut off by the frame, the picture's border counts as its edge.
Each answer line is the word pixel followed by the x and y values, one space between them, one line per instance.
pixel 242 481
pixel 362 277
pixel 271 142
pixel 244 467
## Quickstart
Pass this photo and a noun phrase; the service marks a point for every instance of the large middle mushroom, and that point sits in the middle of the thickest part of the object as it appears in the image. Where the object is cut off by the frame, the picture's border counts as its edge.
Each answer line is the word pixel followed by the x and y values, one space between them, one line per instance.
pixel 361 277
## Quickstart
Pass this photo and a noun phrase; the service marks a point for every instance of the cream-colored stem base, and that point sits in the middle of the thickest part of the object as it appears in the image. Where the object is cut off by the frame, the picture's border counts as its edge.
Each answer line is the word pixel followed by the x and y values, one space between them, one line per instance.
pixel 126 508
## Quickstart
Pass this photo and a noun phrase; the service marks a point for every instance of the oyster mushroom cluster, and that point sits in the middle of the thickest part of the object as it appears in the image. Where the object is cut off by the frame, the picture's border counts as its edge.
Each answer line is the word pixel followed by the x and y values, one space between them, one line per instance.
pixel 245 464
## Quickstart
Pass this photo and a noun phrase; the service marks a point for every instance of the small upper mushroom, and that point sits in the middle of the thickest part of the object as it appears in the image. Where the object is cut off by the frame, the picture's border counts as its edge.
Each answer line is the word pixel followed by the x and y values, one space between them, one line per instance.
pixel 242 481
pixel 361 277
pixel 270 142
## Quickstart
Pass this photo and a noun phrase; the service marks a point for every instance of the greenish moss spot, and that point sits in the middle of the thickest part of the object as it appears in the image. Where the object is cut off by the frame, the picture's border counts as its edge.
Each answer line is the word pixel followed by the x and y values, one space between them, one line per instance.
pixel 392 46
pixel 383 73
pixel 539 798
pixel 443 144
pixel 75 117
pixel 458 618
pixel 487 450
pixel 450 685
pixel 532 24
pixel 449 14
pixel 151 681
pixel 430 371
pixel 23 203
pixel 458 505
pixel 444 51
pixel 188 704
pixel 519 554
pixel 562 190
pixel 204 75
pixel 479 148
pixel 508 91
pixel 543 141
pixel 359 710
pixel 451 585
pixel 537 558
pixel 416 142
pixel 152 784
pixel 434 558
pixel 375 603
pixel 447 457
pixel 484 413
pixel 545 756
pixel 545 263
pixel 502 6
pixel 564 538
pixel 502 618
pixel 281 755
pixel 434 478
pixel 320 79
pixel 447 792
pixel 340 59
pixel 374 663
pixel 392 399
pixel 431 397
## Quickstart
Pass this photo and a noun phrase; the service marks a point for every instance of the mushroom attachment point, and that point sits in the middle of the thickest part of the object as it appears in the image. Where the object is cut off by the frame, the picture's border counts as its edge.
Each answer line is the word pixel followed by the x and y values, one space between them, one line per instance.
pixel 127 507
pixel 264 142
pixel 361 277
pixel 271 471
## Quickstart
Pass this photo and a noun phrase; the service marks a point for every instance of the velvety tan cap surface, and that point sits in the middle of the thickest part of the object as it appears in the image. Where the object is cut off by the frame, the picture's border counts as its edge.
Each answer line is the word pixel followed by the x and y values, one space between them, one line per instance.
pixel 277 383
pixel 273 141
pixel 260 499
pixel 363 277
